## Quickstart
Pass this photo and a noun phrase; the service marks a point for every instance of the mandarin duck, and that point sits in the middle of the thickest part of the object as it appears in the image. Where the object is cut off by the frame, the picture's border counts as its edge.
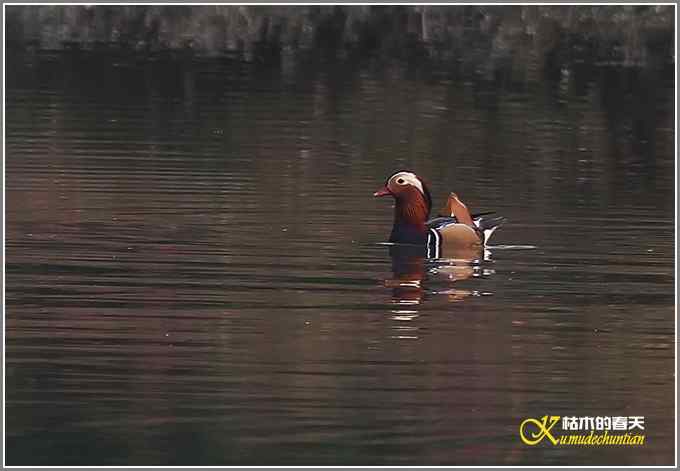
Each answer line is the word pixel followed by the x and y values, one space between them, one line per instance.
pixel 455 233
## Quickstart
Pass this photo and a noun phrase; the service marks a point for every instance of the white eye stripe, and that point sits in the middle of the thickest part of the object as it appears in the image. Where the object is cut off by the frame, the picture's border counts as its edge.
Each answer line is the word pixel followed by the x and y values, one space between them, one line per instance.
pixel 408 178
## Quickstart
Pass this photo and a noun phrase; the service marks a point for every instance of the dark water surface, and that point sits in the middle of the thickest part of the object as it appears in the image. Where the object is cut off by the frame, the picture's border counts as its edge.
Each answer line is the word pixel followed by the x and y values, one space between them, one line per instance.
pixel 194 274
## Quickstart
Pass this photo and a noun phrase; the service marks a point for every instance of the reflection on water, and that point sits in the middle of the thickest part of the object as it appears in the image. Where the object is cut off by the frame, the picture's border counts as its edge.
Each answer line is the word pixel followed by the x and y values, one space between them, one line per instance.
pixel 194 273
pixel 412 272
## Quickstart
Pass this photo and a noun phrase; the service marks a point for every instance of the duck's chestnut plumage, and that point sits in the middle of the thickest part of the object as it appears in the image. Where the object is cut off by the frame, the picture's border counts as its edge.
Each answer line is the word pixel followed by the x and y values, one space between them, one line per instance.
pixel 453 232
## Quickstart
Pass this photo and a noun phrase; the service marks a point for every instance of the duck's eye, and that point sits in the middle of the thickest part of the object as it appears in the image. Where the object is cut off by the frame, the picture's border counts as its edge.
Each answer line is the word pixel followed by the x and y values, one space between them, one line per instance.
pixel 400 181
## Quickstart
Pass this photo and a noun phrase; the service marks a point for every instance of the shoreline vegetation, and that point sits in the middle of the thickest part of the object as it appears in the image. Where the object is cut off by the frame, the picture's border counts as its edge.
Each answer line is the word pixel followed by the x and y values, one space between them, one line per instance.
pixel 528 40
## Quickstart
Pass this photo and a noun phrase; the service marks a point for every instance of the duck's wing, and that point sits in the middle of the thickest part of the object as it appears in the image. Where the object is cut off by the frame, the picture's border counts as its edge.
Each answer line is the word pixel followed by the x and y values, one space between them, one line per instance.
pixel 484 224
pixel 458 224
pixel 441 220
pixel 483 213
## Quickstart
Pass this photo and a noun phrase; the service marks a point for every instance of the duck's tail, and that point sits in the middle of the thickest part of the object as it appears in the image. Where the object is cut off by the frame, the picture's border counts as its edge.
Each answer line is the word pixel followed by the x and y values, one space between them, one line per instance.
pixel 488 225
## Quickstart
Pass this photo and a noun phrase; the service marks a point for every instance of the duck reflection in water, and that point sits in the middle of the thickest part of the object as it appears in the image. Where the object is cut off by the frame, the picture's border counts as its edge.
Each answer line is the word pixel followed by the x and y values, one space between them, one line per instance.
pixel 411 271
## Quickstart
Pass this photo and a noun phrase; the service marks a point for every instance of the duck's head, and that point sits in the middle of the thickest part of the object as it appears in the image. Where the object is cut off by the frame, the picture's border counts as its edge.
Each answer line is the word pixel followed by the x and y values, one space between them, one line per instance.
pixel 412 207
pixel 409 191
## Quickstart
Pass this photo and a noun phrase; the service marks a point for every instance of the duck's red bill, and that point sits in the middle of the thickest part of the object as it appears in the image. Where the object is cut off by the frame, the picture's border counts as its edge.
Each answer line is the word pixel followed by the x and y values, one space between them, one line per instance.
pixel 382 192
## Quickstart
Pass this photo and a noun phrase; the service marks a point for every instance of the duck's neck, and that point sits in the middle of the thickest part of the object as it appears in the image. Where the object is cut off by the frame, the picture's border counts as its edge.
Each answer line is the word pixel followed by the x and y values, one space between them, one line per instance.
pixel 410 215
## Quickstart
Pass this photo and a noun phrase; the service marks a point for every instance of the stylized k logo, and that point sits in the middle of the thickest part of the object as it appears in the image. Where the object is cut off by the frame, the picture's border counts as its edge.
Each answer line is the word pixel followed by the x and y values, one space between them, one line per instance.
pixel 543 429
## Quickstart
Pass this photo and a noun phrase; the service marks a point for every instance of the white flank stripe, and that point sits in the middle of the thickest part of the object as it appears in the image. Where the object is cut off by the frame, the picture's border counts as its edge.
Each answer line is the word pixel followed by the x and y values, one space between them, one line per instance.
pixel 437 242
